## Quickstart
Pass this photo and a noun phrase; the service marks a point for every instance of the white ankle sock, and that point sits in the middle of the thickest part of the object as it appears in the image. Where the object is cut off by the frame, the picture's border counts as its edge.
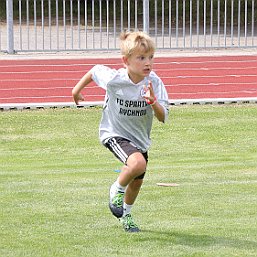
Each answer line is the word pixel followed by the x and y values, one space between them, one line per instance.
pixel 115 188
pixel 119 187
pixel 126 209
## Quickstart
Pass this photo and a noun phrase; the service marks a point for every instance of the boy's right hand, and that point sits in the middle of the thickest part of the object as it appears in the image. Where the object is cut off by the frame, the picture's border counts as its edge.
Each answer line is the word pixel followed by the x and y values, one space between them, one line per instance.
pixel 77 98
pixel 86 79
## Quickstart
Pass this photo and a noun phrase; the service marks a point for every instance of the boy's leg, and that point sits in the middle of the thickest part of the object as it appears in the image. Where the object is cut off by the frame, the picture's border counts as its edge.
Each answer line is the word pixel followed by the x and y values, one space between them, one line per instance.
pixel 130 196
pixel 132 191
pixel 131 177
pixel 134 168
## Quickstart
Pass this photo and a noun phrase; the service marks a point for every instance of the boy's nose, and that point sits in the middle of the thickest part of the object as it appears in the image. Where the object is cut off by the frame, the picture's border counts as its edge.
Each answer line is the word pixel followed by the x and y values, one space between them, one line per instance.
pixel 148 61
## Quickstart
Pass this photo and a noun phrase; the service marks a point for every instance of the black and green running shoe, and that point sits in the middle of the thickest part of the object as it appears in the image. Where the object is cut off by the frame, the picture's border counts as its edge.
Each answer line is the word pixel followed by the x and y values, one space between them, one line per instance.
pixel 128 224
pixel 116 204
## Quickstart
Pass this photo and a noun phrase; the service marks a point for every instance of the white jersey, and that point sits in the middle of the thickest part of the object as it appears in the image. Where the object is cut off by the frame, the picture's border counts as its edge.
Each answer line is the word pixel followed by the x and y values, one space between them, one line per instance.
pixel 126 113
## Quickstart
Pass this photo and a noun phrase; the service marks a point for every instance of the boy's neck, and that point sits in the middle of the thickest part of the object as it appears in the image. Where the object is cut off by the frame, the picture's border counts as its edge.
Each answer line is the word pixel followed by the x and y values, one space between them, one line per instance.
pixel 134 78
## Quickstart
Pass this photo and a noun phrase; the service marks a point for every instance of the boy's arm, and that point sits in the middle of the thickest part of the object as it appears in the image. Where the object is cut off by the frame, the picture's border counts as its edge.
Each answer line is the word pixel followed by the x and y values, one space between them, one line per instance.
pixel 158 109
pixel 85 80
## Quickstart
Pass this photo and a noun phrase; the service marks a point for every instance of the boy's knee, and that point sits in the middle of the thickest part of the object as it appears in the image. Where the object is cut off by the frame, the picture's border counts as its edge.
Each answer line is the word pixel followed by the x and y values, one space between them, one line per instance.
pixel 137 163
pixel 140 165
pixel 140 177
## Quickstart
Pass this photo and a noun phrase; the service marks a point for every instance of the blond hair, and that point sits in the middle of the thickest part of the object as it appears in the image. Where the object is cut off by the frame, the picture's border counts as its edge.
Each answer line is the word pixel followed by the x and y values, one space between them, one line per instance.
pixel 134 41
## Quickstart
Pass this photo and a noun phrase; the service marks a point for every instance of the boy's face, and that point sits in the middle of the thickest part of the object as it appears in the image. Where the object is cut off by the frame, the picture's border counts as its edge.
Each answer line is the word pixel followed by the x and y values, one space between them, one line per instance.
pixel 139 65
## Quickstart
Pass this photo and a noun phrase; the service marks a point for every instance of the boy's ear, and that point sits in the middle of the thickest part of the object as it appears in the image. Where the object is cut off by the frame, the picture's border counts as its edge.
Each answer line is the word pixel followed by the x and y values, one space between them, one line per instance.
pixel 125 60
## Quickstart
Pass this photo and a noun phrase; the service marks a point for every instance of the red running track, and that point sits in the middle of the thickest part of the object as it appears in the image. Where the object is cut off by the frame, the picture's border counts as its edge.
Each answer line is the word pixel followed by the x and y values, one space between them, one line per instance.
pixel 44 81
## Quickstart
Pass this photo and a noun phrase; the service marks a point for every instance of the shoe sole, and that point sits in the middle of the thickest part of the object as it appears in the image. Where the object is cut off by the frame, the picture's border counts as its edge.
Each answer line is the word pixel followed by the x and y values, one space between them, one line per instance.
pixel 133 230
pixel 117 212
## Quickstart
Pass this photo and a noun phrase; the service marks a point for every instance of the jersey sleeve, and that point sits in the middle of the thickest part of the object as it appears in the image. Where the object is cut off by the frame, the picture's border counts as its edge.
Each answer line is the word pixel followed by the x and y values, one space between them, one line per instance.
pixel 102 75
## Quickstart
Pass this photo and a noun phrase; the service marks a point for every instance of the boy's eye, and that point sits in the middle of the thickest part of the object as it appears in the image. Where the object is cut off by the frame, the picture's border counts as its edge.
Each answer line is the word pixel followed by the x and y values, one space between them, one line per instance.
pixel 141 58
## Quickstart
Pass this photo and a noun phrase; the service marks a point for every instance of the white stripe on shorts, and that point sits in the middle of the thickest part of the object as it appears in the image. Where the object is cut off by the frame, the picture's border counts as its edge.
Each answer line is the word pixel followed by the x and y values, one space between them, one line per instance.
pixel 118 150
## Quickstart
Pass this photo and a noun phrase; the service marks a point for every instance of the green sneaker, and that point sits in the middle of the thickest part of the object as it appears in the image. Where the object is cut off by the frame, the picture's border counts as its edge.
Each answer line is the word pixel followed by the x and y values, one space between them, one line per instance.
pixel 128 223
pixel 116 204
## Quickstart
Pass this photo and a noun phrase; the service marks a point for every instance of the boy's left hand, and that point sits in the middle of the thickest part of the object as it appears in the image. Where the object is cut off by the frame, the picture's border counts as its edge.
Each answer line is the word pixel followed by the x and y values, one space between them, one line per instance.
pixel 149 93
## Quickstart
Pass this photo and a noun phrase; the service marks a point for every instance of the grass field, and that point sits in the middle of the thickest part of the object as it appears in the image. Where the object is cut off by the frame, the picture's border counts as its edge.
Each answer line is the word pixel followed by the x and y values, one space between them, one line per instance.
pixel 55 178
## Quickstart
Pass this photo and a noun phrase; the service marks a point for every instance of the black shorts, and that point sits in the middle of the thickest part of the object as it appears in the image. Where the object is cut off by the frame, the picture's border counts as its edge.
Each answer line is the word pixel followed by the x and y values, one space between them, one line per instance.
pixel 122 148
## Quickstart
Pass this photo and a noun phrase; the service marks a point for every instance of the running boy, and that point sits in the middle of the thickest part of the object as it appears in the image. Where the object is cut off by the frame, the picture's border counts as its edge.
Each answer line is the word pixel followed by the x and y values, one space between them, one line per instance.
pixel 134 94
